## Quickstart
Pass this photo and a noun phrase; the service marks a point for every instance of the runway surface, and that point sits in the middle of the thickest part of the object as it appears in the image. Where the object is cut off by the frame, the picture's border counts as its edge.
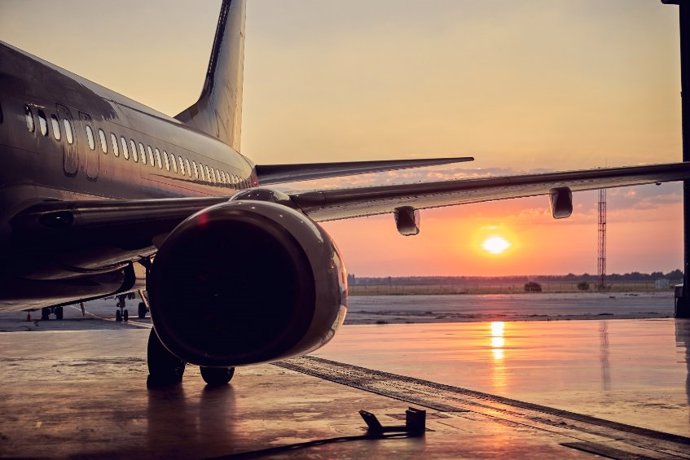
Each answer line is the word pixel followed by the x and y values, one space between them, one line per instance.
pixel 508 307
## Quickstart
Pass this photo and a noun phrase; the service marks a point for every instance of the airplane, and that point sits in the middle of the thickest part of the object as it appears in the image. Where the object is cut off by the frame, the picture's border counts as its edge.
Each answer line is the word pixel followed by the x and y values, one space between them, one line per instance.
pixel 237 268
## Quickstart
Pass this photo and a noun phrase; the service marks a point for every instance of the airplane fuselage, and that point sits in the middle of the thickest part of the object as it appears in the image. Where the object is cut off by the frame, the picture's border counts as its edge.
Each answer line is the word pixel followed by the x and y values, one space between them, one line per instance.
pixel 63 137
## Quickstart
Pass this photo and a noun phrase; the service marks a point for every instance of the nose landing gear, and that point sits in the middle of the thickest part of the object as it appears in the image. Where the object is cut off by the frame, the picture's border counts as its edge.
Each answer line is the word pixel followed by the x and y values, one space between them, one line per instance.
pixel 121 314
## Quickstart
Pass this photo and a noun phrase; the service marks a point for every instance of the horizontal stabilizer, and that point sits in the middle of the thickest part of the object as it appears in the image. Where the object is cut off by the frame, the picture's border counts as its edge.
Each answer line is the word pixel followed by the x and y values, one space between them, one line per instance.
pixel 274 174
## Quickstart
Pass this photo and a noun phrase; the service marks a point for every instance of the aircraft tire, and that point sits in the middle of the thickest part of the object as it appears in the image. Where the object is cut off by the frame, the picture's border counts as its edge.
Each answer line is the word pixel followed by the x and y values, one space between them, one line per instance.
pixel 216 376
pixel 118 315
pixel 45 314
pixel 142 310
pixel 165 369
pixel 59 313
pixel 125 316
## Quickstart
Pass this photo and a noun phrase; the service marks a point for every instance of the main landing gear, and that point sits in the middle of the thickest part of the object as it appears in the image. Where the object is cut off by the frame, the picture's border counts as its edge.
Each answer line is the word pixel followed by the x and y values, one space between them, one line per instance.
pixel 216 376
pixel 166 369
pixel 45 313
pixel 121 314
pixel 142 310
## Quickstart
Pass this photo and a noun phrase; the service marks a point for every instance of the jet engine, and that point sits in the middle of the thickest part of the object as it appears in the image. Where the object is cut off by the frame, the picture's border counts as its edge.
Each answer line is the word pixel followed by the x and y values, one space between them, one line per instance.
pixel 244 282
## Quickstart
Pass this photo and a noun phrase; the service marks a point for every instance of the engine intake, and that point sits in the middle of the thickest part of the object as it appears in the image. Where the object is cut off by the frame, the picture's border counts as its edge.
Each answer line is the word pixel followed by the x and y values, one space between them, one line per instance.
pixel 245 282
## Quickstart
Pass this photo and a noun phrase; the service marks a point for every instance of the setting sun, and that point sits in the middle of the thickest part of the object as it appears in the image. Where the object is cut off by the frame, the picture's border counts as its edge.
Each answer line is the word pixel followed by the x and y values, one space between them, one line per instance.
pixel 495 245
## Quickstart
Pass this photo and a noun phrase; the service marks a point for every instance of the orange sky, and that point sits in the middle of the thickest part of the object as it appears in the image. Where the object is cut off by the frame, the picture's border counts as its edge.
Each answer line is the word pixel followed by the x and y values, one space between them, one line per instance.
pixel 520 85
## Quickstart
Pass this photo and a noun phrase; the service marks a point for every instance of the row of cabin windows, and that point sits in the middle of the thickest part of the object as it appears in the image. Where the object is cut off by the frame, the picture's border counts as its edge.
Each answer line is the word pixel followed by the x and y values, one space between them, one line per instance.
pixel 136 151
pixel 43 124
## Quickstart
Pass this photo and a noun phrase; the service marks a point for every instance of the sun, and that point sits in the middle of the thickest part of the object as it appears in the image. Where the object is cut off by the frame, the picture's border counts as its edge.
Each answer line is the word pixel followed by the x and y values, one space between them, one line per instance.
pixel 495 245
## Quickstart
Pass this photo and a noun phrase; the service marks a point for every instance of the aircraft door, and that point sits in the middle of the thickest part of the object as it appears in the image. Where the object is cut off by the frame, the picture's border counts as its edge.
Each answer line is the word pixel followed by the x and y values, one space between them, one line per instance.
pixel 92 157
pixel 70 162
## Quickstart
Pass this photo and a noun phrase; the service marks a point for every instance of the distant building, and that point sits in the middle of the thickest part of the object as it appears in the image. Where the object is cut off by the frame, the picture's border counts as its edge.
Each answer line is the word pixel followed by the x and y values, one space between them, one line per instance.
pixel 662 283
pixel 532 287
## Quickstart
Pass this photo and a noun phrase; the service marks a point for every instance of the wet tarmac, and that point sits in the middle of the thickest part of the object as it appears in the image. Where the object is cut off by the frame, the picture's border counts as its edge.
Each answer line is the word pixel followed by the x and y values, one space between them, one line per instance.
pixel 628 371
pixel 566 389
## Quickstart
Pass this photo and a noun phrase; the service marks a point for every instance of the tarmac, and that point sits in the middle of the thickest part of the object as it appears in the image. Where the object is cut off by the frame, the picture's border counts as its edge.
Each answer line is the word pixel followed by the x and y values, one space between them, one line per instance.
pixel 76 389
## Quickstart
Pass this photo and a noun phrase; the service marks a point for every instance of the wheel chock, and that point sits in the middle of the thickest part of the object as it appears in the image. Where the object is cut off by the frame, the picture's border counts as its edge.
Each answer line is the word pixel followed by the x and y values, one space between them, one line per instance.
pixel 415 424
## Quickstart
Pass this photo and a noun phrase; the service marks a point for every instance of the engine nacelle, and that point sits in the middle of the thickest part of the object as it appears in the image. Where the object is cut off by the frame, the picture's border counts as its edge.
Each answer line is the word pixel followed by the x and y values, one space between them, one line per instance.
pixel 245 282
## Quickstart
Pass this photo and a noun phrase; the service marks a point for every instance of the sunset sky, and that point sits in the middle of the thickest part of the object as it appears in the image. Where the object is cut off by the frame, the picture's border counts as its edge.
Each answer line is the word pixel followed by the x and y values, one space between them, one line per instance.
pixel 520 85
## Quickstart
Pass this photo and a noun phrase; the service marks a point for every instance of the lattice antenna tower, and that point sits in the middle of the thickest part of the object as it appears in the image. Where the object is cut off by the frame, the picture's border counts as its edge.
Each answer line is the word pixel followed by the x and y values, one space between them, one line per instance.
pixel 601 259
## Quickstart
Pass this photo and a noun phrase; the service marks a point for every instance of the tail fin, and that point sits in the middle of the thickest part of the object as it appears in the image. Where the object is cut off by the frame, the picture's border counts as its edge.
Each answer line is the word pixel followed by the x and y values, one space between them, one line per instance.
pixel 218 111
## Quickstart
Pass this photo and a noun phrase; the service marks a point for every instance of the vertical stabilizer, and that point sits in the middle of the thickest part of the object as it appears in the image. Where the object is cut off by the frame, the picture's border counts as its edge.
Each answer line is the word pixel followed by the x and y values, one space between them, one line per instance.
pixel 218 111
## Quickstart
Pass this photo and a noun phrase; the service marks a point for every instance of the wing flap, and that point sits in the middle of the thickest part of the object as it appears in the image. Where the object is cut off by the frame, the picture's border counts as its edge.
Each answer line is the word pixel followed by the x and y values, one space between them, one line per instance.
pixel 324 205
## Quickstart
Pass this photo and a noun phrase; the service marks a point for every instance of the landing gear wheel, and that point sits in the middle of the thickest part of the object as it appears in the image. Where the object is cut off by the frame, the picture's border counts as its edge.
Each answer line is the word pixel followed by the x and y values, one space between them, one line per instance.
pixel 118 315
pixel 216 376
pixel 164 368
pixel 125 316
pixel 58 313
pixel 142 310
pixel 45 314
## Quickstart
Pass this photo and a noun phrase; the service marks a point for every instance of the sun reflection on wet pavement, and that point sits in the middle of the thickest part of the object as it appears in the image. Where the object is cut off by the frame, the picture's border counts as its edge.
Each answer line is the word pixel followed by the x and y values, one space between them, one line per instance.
pixel 630 371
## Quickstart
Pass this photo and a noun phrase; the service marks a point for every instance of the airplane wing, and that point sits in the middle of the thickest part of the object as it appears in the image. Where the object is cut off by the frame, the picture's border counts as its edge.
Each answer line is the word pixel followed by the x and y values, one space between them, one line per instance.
pixel 137 223
pixel 344 203
pixel 274 174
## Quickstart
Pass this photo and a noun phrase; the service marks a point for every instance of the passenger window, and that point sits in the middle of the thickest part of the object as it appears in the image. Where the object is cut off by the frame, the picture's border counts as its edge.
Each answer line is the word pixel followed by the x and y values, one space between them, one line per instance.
pixel 189 168
pixel 104 142
pixel 158 158
pixel 123 144
pixel 167 161
pixel 142 153
pixel 69 134
pixel 181 165
pixel 89 137
pixel 196 170
pixel 43 122
pixel 133 148
pixel 201 172
pixel 56 127
pixel 29 116
pixel 173 162
pixel 208 174
pixel 152 162
pixel 113 141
